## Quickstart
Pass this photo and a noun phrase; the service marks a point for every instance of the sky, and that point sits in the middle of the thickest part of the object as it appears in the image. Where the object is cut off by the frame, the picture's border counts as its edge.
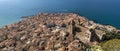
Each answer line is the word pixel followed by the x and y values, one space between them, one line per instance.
pixel 5 0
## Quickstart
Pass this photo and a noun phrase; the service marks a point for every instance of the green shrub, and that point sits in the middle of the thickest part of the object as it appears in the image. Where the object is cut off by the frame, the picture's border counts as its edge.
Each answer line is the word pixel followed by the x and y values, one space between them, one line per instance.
pixel 96 48
pixel 111 45
pixel 111 35
pixel 84 47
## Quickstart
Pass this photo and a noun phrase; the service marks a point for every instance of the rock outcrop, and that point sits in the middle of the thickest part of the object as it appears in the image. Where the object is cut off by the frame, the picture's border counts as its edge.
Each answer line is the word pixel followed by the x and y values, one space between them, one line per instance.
pixel 51 32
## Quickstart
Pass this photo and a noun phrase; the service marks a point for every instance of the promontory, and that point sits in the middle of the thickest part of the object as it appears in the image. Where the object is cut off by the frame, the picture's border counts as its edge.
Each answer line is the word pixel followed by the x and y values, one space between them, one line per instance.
pixel 58 32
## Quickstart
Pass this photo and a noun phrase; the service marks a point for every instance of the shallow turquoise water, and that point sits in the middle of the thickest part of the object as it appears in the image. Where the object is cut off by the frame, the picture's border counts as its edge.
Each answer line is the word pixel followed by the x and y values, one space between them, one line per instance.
pixel 101 11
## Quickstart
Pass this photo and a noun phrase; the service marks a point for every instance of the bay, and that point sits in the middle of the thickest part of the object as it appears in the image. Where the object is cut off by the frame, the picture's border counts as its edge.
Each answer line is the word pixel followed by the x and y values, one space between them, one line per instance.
pixel 101 11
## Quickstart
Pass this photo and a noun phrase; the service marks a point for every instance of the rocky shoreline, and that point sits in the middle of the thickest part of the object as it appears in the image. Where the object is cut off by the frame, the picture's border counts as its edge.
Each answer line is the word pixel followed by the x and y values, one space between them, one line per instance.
pixel 52 32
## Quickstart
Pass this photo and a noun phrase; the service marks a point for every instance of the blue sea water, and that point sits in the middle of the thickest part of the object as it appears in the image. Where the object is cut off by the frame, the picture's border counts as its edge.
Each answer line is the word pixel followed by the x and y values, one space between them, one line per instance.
pixel 101 11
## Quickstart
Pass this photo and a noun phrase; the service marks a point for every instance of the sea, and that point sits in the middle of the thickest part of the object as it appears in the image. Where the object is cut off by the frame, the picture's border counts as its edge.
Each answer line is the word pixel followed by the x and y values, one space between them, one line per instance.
pixel 101 11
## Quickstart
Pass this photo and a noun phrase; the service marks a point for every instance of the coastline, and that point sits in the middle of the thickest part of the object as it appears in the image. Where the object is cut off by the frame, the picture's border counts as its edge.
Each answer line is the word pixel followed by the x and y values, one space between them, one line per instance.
pixel 25 17
pixel 22 17
pixel 50 31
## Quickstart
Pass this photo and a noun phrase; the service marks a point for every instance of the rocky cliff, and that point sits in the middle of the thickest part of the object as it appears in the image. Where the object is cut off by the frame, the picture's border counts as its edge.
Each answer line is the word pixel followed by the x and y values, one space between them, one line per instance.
pixel 52 32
